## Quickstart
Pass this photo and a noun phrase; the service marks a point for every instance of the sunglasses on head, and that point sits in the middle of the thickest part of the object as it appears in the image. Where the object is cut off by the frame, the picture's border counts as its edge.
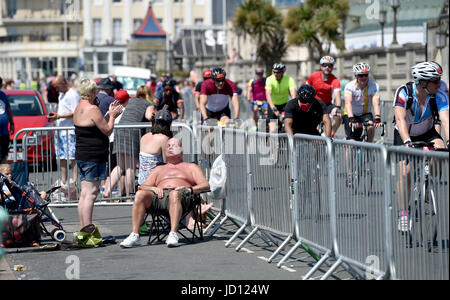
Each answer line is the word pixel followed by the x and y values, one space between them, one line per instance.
pixel 362 75
pixel 327 65
pixel 436 81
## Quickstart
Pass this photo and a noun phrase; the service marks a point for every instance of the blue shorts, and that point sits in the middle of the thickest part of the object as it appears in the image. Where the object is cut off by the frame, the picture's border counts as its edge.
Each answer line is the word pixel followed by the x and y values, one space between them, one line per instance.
pixel 65 146
pixel 265 105
pixel 91 171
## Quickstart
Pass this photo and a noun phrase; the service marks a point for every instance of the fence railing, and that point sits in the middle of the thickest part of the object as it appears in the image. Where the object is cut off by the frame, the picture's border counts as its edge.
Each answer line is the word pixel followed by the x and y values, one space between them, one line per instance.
pixel 382 211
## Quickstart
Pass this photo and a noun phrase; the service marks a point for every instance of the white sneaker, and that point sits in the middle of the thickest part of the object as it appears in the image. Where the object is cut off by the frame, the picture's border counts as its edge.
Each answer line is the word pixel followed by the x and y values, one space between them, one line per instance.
pixel 133 240
pixel 172 240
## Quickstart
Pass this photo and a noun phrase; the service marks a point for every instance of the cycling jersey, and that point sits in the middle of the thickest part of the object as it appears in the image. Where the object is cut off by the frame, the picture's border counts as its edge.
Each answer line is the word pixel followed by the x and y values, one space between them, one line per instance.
pixel 280 90
pixel 258 89
pixel 361 98
pixel 324 89
pixel 420 124
pixel 218 100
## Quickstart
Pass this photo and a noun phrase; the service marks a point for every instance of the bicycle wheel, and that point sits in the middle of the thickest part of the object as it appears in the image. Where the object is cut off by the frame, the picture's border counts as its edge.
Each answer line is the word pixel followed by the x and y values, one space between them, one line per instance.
pixel 430 217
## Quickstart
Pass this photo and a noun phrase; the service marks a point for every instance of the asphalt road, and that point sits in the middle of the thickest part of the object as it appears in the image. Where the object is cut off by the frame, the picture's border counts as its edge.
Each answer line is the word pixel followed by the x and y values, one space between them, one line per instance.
pixel 203 260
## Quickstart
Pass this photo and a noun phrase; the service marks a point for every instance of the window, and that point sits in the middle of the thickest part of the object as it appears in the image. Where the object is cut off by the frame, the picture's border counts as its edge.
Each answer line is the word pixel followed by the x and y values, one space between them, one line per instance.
pixel 117 58
pixel 136 24
pixel 88 62
pixel 177 24
pixel 117 30
pixel 117 1
pixel 102 63
pixel 97 30
pixel 198 21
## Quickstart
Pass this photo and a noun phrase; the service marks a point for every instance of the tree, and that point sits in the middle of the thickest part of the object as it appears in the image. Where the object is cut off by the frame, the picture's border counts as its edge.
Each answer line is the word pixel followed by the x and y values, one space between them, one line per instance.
pixel 316 23
pixel 263 23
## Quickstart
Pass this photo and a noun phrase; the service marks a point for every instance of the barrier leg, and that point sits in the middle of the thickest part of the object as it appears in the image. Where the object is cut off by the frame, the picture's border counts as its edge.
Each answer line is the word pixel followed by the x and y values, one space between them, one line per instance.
pixel 317 265
pixel 332 269
pixel 247 238
pixel 235 235
pixel 213 221
pixel 279 249
pixel 218 226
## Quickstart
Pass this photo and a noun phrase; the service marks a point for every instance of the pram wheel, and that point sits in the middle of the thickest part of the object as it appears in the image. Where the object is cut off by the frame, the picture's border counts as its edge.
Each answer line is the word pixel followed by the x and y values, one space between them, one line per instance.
pixel 58 235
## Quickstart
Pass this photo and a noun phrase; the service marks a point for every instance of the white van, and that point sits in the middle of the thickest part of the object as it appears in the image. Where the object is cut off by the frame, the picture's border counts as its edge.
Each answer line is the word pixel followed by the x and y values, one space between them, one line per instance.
pixel 131 78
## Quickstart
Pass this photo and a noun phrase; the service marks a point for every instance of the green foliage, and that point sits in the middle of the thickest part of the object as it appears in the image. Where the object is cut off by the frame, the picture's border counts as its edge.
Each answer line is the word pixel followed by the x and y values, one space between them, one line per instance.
pixel 263 23
pixel 316 24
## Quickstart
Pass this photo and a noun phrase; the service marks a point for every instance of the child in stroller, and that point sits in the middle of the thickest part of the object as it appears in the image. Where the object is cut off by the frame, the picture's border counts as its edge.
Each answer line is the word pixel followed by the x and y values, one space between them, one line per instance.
pixel 27 200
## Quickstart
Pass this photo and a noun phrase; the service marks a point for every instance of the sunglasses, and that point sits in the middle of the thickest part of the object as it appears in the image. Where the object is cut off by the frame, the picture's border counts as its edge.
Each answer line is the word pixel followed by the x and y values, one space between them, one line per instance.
pixel 277 72
pixel 363 75
pixel 219 80
pixel 436 81
pixel 327 65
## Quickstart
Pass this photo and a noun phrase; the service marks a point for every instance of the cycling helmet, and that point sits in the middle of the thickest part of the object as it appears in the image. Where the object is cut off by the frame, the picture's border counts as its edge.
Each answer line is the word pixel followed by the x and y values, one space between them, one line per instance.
pixel 218 73
pixel 169 82
pixel 327 60
pixel 259 71
pixel 361 68
pixel 206 74
pixel 306 93
pixel 279 66
pixel 426 71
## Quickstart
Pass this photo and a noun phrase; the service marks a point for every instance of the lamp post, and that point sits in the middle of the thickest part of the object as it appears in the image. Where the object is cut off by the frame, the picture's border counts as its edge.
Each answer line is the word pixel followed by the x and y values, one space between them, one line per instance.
pixel 395 4
pixel 382 21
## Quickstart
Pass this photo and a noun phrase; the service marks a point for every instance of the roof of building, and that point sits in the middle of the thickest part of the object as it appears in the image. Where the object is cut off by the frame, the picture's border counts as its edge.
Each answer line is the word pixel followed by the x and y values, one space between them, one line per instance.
pixel 150 27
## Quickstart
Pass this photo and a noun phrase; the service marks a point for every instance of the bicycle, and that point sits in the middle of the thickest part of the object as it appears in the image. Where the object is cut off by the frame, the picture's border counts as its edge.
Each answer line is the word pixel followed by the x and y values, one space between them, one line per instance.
pixel 364 176
pixel 422 212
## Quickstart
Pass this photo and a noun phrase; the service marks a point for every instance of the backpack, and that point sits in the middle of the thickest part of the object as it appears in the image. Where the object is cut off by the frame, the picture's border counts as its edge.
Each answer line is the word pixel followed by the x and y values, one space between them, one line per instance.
pixel 408 87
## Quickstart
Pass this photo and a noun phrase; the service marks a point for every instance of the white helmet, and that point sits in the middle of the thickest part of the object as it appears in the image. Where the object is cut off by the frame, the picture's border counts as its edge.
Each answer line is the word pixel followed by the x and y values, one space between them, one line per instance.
pixel 426 71
pixel 327 60
pixel 361 68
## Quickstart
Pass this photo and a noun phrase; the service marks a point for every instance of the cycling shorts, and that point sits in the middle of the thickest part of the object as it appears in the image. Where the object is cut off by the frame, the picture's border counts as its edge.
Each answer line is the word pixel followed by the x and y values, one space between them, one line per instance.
pixel 357 132
pixel 427 137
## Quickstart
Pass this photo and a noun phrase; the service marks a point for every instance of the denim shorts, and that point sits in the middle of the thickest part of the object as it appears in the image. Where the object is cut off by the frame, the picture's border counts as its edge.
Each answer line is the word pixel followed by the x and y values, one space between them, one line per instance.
pixel 91 171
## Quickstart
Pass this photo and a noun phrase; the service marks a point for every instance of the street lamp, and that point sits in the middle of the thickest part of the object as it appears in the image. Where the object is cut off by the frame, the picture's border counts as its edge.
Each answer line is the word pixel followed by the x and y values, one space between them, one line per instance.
pixel 382 21
pixel 395 4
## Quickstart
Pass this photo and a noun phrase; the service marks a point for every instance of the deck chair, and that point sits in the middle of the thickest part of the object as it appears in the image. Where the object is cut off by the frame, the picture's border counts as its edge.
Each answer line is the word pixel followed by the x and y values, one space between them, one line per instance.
pixel 160 222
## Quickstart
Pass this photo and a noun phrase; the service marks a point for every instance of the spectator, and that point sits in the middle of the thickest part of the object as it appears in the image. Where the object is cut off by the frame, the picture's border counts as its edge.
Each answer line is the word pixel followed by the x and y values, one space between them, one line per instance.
pixel 153 144
pixel 152 83
pixel 122 96
pixel 198 88
pixel 105 95
pixel 169 187
pixel 51 94
pixel 92 131
pixel 6 117
pixel 117 85
pixel 171 98
pixel 126 141
pixel 9 84
pixel 65 139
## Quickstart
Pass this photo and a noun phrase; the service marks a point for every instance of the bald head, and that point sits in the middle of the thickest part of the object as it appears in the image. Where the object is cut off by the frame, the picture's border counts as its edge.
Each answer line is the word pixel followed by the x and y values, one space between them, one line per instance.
pixel 174 150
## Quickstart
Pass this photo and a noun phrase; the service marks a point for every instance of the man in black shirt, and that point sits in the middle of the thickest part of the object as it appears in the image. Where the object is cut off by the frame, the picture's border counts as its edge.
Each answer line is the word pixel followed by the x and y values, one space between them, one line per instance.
pixel 172 99
pixel 305 113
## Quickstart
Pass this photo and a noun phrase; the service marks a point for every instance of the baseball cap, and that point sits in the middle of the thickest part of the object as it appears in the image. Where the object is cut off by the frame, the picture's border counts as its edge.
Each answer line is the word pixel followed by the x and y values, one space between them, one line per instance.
pixel 122 95
pixel 164 115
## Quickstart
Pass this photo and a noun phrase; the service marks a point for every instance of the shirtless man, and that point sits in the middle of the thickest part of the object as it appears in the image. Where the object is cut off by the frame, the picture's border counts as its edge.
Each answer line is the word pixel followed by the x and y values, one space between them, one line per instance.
pixel 171 186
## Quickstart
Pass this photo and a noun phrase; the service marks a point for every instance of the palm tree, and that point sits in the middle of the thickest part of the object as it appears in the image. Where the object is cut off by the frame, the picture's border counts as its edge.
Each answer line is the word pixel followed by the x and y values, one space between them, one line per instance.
pixel 263 23
pixel 316 23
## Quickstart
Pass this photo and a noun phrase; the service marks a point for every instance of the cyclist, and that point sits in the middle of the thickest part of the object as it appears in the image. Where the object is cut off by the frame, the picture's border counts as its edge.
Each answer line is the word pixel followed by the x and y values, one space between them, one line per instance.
pixel 360 95
pixel 257 93
pixel 171 98
pixel 304 113
pixel 279 88
pixel 414 119
pixel 327 86
pixel 214 97
pixel 198 88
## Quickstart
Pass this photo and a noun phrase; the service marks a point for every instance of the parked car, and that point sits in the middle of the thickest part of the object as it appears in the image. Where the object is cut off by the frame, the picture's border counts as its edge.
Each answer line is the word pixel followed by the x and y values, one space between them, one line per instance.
pixel 29 111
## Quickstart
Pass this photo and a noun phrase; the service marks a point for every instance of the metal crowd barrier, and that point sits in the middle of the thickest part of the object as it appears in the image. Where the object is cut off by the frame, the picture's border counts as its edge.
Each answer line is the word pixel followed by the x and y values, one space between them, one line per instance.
pixel 421 250
pixel 44 162
pixel 339 197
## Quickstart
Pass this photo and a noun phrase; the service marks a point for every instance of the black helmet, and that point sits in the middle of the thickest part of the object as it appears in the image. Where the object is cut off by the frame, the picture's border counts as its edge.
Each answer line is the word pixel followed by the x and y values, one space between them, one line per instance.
pixel 169 82
pixel 306 93
pixel 279 66
pixel 218 73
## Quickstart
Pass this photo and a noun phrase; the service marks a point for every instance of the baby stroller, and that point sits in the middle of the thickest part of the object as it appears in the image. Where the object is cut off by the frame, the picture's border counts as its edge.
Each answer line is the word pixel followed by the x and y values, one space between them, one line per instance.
pixel 26 201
